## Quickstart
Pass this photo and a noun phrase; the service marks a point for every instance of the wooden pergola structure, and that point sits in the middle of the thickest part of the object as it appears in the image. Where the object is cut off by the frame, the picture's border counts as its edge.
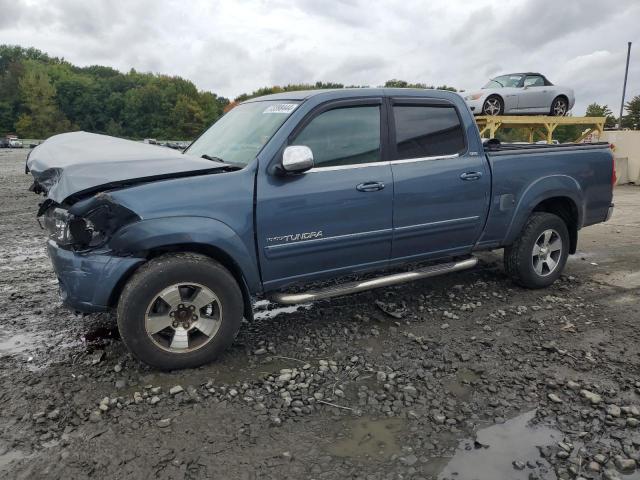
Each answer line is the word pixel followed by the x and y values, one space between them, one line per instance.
pixel 540 125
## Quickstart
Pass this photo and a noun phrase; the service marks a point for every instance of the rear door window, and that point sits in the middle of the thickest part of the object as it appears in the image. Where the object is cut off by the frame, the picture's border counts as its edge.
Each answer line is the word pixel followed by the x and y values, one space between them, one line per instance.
pixel 427 131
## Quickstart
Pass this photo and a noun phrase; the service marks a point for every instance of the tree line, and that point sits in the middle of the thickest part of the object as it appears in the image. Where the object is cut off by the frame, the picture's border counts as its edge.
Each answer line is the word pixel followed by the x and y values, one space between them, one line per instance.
pixel 41 95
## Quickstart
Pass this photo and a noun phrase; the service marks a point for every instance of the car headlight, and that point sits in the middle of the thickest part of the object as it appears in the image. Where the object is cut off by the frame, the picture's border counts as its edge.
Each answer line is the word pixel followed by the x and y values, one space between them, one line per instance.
pixel 67 230
pixel 473 96
pixel 56 223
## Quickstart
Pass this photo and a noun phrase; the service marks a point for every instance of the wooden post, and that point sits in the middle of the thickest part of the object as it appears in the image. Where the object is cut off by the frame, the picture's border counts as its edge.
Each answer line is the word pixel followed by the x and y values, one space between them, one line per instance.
pixel 550 128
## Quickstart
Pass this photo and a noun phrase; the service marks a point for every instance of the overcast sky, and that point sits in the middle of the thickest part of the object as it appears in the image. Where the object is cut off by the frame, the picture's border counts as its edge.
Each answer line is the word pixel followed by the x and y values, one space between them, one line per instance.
pixel 235 46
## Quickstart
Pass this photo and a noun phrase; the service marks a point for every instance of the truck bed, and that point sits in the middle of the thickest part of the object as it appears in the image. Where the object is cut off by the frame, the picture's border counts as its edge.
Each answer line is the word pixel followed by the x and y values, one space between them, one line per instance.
pixel 570 171
pixel 497 148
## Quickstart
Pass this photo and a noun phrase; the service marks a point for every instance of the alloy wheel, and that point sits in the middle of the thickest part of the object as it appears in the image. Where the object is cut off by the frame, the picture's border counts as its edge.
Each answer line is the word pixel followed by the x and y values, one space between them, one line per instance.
pixel 560 108
pixel 547 251
pixel 492 106
pixel 183 317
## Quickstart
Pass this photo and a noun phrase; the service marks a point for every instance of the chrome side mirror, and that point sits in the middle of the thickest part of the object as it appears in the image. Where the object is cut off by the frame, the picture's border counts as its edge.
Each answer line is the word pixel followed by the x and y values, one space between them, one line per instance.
pixel 297 159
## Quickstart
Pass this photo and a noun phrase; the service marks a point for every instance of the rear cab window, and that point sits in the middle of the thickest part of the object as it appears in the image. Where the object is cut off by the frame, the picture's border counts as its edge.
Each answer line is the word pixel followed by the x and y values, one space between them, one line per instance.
pixel 534 81
pixel 423 131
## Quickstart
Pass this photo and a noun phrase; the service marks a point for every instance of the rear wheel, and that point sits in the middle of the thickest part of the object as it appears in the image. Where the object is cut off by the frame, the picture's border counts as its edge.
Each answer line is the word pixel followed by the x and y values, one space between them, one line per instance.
pixel 559 107
pixel 179 311
pixel 536 259
pixel 493 106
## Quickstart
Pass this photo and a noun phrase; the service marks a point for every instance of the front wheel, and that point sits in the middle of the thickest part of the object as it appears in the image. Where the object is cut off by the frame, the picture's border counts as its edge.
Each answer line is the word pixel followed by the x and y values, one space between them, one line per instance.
pixel 179 311
pixel 536 259
pixel 493 106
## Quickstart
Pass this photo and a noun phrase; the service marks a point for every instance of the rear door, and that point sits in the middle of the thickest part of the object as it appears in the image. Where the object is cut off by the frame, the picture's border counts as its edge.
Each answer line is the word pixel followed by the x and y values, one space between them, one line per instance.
pixel 441 188
pixel 335 218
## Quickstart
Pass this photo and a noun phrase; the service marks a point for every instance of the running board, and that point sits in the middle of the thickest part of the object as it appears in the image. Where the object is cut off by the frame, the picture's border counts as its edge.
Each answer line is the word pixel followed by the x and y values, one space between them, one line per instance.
pixel 360 286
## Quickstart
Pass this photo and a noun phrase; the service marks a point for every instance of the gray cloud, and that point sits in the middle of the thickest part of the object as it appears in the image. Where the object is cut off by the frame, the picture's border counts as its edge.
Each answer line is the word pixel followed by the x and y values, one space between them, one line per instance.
pixel 231 47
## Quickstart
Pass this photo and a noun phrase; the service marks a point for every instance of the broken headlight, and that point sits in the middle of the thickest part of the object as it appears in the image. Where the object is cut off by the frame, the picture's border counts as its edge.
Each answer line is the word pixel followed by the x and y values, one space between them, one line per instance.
pixel 67 230
pixel 56 222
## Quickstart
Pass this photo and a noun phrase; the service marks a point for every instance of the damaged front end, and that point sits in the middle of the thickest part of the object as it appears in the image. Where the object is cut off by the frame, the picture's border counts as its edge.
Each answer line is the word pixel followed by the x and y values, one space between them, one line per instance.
pixel 87 224
pixel 89 273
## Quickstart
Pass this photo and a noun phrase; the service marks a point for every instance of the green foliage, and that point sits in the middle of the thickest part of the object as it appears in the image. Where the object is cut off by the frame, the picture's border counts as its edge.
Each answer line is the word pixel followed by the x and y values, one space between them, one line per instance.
pixel 632 118
pixel 42 95
pixel 41 116
pixel 595 110
pixel 395 83
pixel 292 87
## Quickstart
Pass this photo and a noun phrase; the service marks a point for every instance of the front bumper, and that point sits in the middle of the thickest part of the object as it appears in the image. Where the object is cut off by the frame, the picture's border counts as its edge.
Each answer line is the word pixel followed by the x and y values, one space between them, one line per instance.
pixel 88 280
pixel 475 105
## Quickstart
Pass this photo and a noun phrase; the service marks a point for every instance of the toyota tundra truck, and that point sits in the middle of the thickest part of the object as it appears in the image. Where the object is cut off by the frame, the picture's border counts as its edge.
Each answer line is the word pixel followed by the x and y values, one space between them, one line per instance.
pixel 363 187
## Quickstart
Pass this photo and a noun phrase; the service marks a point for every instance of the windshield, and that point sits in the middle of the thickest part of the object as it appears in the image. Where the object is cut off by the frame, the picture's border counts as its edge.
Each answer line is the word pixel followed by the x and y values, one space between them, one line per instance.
pixel 239 135
pixel 504 81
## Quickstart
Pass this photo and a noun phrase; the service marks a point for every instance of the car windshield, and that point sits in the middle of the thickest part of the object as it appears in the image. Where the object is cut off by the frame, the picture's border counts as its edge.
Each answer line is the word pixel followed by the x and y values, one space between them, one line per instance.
pixel 240 134
pixel 504 81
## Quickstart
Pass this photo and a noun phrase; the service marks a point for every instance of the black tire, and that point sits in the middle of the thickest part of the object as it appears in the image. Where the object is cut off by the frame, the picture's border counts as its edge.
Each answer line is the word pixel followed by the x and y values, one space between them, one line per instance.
pixel 162 273
pixel 559 107
pixel 491 103
pixel 519 262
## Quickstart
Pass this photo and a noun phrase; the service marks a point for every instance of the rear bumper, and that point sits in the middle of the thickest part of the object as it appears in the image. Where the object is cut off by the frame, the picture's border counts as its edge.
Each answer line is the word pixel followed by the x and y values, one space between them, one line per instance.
pixel 609 213
pixel 87 281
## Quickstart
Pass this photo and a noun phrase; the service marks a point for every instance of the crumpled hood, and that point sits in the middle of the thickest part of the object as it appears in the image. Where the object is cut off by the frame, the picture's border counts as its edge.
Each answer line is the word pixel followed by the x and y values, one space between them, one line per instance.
pixel 78 162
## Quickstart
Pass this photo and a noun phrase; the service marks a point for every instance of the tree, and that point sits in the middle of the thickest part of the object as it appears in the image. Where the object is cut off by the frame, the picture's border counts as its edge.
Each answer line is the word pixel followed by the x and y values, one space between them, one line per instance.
pixel 41 117
pixel 187 117
pixel 292 87
pixel 395 83
pixel 632 118
pixel 595 110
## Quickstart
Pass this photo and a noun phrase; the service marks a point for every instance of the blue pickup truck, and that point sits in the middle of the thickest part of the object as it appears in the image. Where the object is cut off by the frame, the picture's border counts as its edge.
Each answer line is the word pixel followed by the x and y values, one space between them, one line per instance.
pixel 294 189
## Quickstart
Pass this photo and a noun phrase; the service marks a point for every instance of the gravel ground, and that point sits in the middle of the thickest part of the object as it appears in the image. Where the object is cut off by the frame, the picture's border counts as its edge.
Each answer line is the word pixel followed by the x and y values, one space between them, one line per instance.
pixel 463 376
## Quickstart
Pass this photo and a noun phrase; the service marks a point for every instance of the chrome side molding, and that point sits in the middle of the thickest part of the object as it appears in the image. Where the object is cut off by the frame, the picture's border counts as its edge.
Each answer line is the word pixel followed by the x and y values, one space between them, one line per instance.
pixel 385 281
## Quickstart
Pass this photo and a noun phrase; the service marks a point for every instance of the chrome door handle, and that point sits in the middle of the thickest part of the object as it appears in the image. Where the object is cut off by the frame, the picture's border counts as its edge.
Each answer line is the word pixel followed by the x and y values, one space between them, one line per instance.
pixel 370 186
pixel 469 176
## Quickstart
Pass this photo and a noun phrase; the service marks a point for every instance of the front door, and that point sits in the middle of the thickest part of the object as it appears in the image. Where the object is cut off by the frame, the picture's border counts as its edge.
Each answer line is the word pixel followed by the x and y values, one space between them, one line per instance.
pixel 441 188
pixel 335 218
pixel 534 94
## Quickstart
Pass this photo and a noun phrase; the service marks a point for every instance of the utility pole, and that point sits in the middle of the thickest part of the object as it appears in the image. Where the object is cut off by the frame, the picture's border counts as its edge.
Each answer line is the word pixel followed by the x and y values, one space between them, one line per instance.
pixel 624 86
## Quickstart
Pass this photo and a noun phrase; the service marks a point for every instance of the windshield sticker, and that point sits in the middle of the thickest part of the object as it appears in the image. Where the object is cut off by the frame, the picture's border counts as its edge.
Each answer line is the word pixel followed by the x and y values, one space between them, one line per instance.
pixel 281 108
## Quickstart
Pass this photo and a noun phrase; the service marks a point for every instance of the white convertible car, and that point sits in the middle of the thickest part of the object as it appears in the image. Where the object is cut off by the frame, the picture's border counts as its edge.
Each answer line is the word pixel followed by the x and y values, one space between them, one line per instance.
pixel 521 93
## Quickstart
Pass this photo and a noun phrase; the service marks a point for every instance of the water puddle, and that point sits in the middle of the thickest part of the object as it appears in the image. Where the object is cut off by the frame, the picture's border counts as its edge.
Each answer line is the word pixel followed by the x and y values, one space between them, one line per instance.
pixel 626 299
pixel 623 279
pixel 264 309
pixel 228 370
pixel 491 455
pixel 10 456
pixel 367 437
pixel 18 343
pixel 461 386
pixel 37 342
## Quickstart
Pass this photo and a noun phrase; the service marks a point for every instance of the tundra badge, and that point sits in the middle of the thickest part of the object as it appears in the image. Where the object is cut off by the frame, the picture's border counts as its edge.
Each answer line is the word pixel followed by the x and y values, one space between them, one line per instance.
pixel 295 237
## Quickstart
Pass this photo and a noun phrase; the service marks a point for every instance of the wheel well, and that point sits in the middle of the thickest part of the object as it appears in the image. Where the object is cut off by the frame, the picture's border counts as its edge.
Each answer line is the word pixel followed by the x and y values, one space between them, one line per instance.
pixel 564 97
pixel 496 95
pixel 567 210
pixel 210 251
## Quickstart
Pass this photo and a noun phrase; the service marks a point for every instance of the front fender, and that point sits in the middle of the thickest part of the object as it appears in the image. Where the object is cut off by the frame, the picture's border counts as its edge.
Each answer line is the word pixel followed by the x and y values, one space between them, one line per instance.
pixel 540 190
pixel 170 231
